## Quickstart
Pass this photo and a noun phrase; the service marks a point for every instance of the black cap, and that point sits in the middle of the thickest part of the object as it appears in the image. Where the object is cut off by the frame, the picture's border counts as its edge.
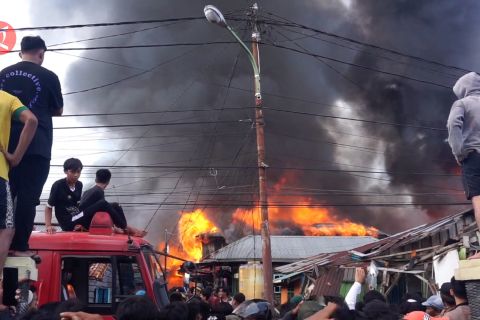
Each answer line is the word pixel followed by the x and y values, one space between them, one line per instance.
pixel 30 43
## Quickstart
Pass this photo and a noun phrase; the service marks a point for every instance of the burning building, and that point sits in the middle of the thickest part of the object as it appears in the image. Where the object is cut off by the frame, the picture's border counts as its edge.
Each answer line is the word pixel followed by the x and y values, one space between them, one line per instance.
pixel 285 249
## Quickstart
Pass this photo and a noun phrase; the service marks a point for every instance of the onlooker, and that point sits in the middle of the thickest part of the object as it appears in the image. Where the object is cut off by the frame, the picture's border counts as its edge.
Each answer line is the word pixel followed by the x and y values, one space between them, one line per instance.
pixel 447 298
pixel 434 305
pixel 308 308
pixel 176 297
pixel 378 310
pixel 11 109
pixel 39 90
pixel 93 201
pixel 464 136
pixel 237 299
pixel 420 315
pixel 206 293
pixel 174 311
pixel 412 302
pixel 462 309
pixel 65 197
pixel 221 310
pixel 222 294
pixel 356 288
pixel 198 310
pixel 138 308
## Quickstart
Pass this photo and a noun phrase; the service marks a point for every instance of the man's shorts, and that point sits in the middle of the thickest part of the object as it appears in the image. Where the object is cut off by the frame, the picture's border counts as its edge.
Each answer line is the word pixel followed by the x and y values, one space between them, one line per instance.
pixel 7 217
pixel 471 175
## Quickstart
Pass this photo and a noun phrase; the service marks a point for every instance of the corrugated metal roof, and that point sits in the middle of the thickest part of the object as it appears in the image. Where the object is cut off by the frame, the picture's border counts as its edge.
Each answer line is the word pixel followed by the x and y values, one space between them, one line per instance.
pixel 454 227
pixel 328 284
pixel 287 248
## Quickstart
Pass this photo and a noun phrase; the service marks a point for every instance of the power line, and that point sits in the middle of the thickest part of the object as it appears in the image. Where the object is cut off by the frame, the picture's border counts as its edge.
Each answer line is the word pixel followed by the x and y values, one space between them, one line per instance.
pixel 373 54
pixel 132 76
pixel 286 194
pixel 181 136
pixel 233 42
pixel 110 36
pixel 314 55
pixel 344 77
pixel 356 119
pixel 333 35
pixel 98 60
pixel 153 124
pixel 154 112
pixel 272 22
pixel 108 24
pixel 342 145
pixel 273 168
pixel 310 205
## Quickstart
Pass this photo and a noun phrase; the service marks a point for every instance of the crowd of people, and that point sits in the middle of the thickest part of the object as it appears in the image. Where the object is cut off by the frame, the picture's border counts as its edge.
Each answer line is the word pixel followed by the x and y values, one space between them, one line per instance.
pixel 450 303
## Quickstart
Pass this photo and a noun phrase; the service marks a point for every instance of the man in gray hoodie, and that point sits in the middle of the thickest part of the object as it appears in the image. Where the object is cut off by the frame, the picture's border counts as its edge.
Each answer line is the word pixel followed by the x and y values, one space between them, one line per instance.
pixel 464 136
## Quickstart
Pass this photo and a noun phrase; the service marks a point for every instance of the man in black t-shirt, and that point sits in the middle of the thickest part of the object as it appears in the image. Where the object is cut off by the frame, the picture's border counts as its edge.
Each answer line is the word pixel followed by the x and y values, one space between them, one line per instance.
pixel 64 197
pixel 93 201
pixel 39 90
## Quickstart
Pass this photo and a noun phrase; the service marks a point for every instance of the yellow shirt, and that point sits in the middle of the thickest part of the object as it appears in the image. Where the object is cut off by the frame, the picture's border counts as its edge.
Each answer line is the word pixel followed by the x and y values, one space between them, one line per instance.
pixel 8 105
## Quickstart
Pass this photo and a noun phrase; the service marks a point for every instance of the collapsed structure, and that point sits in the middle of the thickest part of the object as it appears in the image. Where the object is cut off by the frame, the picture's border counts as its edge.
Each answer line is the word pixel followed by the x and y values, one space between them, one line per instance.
pixel 416 260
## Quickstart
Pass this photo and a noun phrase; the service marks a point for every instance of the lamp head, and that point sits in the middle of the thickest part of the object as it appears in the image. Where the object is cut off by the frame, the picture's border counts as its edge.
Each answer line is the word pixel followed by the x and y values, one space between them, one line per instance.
pixel 214 15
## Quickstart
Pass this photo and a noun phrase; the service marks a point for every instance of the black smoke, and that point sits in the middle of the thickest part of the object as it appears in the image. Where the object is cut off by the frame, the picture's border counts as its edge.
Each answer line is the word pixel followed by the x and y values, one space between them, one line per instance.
pixel 437 30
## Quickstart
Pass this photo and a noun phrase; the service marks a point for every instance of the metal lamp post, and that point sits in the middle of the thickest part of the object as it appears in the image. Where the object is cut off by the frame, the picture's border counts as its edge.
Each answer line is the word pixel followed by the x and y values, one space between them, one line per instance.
pixel 214 15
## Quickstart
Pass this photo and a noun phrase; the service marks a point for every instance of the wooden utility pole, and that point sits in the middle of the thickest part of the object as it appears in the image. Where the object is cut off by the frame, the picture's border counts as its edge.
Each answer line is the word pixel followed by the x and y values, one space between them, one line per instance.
pixel 262 168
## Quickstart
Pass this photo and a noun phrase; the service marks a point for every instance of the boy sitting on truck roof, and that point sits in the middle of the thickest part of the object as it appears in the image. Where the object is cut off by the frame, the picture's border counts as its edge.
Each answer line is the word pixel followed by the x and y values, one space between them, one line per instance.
pixel 65 196
pixel 93 200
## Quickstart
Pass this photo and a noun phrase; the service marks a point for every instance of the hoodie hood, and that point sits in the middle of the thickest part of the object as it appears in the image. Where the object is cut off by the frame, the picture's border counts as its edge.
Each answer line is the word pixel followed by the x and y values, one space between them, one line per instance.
pixel 467 85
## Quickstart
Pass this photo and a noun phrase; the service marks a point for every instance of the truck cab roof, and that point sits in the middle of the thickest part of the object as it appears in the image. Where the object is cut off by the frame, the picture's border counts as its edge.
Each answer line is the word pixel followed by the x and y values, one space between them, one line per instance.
pixel 84 241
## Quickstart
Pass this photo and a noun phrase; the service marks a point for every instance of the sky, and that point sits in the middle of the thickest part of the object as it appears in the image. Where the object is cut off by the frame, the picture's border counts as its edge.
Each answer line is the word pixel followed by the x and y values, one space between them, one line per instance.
pixel 216 77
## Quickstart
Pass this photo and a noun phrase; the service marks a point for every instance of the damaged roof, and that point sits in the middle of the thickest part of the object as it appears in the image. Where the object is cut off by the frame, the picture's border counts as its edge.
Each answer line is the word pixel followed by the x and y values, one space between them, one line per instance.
pixel 286 248
pixel 428 239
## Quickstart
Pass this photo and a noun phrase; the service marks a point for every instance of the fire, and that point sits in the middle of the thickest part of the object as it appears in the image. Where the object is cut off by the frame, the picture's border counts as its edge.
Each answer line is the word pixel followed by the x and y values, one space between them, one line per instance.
pixel 174 279
pixel 303 217
pixel 312 220
pixel 190 226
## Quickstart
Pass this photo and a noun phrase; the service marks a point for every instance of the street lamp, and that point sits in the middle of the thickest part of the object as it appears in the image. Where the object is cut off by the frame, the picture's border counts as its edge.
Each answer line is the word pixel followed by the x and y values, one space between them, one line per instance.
pixel 214 15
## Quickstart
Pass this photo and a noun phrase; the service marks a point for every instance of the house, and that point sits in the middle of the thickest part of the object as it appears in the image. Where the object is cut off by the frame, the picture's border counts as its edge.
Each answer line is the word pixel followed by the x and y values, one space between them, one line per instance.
pixel 228 260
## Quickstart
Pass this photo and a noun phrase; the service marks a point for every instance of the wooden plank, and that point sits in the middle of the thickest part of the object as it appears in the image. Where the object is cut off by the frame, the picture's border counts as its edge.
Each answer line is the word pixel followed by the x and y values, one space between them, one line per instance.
pixel 468 270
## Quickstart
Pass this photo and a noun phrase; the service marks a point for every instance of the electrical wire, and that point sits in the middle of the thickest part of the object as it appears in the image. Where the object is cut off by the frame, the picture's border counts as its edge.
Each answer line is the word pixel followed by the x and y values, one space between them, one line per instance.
pixel 356 119
pixel 194 168
pixel 151 124
pixel 314 55
pixel 108 24
pixel 362 43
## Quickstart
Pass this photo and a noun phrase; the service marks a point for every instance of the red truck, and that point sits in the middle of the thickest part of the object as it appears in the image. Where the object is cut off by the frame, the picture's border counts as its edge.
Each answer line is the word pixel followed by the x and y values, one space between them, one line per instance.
pixel 99 267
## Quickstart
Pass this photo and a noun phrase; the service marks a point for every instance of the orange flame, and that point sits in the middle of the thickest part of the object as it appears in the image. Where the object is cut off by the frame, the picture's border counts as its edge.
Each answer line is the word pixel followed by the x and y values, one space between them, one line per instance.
pixel 174 279
pixel 190 226
pixel 312 220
